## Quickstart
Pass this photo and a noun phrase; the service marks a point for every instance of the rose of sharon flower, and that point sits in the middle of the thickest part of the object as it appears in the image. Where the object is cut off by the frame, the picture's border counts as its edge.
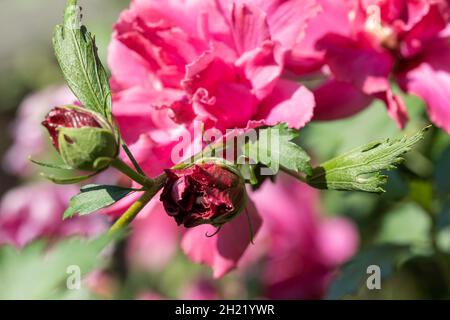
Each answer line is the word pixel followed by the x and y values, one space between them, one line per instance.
pixel 366 43
pixel 177 63
pixel 219 62
pixel 206 193
pixel 22 220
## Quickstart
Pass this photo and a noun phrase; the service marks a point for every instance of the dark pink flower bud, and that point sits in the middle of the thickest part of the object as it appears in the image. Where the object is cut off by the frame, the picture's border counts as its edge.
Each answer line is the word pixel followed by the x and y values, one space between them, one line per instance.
pixel 67 117
pixel 207 193
pixel 81 137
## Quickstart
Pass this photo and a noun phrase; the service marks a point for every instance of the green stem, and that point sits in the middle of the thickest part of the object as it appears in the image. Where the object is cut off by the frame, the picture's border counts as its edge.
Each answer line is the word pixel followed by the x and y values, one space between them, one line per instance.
pixel 129 172
pixel 132 159
pixel 131 213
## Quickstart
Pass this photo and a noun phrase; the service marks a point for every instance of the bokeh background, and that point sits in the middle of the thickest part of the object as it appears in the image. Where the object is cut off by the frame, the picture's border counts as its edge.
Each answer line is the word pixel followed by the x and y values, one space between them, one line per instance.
pixel 27 63
pixel 406 230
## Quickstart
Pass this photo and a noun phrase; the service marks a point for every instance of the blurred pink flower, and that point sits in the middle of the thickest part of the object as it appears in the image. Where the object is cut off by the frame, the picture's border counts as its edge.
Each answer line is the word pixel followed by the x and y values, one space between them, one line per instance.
pixel 23 220
pixel 29 137
pixel 302 248
pixel 367 43
pixel 154 240
pixel 200 289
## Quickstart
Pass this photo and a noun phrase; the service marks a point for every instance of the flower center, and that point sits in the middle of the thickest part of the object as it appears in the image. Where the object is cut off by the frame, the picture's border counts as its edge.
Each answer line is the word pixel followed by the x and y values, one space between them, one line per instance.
pixel 374 25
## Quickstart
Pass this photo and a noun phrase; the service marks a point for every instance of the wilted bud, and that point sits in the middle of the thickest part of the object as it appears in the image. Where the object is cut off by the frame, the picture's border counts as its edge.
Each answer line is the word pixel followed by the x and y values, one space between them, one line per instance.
pixel 80 136
pixel 207 193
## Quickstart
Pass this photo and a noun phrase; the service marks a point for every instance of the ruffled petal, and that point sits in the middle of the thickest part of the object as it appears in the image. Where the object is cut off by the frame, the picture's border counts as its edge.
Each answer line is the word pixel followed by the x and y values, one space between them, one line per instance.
pixel 289 102
pixel 430 80
pixel 248 26
pixel 357 62
pixel 337 99
pixel 223 251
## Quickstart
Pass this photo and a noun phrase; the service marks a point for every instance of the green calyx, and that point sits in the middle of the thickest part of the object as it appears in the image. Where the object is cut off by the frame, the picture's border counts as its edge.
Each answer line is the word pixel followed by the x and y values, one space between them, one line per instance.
pixel 81 147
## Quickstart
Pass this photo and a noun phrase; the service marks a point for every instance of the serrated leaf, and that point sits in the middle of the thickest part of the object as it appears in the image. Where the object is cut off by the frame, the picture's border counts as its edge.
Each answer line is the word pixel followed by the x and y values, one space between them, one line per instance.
pixel 76 53
pixel 275 148
pixel 360 169
pixel 94 197
pixel 354 274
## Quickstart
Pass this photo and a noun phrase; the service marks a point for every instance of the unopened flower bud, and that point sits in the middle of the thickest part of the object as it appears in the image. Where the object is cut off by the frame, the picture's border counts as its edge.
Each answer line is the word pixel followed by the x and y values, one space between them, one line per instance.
pixel 80 136
pixel 205 193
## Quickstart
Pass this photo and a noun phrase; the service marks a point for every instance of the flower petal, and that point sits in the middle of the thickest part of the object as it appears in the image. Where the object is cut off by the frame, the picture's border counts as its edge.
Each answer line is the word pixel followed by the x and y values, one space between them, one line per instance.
pixel 430 80
pixel 357 62
pixel 222 251
pixel 288 19
pixel 154 239
pixel 263 67
pixel 337 99
pixel 249 27
pixel 289 102
pixel 395 106
pixel 332 18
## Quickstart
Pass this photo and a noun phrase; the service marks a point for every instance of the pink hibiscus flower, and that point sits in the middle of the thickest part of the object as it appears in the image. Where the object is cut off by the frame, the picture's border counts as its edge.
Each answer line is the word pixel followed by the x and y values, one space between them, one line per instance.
pixel 219 62
pixel 366 44
pixel 178 63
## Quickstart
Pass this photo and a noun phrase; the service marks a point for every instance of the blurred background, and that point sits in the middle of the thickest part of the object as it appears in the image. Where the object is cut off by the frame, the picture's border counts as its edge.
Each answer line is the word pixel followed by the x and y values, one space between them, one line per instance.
pixel 27 63
pixel 405 231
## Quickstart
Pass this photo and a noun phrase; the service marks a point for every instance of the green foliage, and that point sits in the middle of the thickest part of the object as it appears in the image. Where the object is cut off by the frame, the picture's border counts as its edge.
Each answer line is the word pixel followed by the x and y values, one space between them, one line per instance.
pixel 328 139
pixel 353 274
pixel 360 169
pixel 94 197
pixel 275 147
pixel 76 52
pixel 406 224
pixel 442 173
pixel 39 271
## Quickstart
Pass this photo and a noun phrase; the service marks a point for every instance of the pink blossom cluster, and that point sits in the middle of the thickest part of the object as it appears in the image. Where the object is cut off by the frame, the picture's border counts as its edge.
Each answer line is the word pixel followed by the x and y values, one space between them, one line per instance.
pixel 231 64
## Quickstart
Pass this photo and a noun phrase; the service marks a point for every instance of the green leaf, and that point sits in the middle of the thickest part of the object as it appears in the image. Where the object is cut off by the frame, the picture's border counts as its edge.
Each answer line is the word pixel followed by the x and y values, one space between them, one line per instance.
pixel 39 271
pixel 94 197
pixel 354 274
pixel 360 169
pixel 76 53
pixel 407 223
pixel 275 148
